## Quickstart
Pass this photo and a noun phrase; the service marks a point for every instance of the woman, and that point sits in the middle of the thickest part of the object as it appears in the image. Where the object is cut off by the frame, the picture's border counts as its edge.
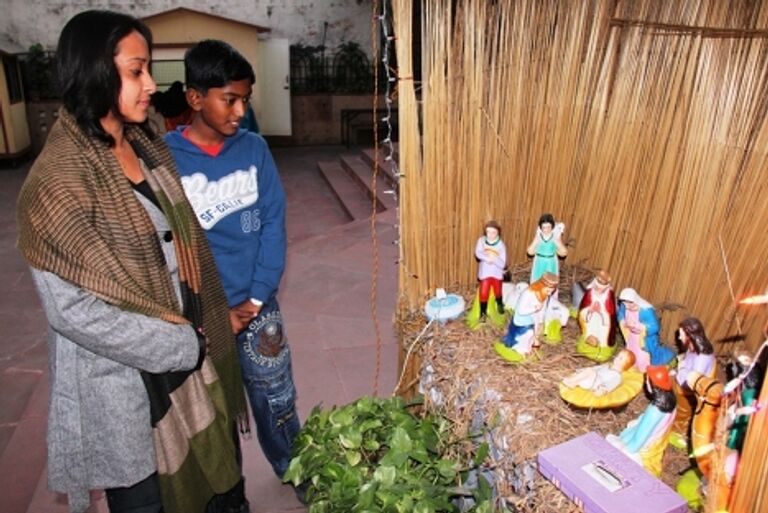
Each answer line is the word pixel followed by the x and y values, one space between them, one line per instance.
pixel 640 328
pixel 142 404
pixel 546 246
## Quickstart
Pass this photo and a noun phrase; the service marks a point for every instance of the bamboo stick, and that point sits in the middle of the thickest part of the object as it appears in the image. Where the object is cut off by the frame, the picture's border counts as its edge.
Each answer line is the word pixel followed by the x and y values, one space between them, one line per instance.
pixel 650 143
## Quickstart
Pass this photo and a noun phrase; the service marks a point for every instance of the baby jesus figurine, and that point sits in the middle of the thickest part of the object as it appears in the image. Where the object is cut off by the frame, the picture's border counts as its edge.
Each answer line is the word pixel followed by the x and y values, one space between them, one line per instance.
pixel 602 379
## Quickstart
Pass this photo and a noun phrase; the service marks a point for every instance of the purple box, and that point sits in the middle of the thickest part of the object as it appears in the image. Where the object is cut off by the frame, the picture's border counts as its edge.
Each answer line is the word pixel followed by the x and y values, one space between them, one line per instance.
pixel 599 478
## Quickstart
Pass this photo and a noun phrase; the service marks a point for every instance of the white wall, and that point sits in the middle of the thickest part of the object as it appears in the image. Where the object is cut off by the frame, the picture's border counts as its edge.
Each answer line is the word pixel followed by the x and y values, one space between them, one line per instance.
pixel 300 21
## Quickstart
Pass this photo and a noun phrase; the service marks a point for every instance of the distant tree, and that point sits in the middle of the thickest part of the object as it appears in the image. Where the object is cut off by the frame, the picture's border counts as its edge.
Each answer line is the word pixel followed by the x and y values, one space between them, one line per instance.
pixel 38 71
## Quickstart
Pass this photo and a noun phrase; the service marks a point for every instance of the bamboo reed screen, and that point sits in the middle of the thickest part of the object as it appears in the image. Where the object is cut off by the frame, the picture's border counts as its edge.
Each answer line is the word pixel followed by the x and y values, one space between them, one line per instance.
pixel 639 123
pixel 750 490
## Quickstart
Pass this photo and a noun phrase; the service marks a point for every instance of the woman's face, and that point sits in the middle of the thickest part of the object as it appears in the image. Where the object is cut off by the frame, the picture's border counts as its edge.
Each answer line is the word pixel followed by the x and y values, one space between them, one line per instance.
pixel 546 228
pixel 136 83
pixel 631 306
pixel 491 233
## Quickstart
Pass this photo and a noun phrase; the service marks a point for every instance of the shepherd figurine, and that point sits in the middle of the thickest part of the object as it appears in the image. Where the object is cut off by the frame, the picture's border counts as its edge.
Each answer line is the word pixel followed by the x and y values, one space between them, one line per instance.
pixel 546 246
pixel 527 324
pixel 645 438
pixel 491 254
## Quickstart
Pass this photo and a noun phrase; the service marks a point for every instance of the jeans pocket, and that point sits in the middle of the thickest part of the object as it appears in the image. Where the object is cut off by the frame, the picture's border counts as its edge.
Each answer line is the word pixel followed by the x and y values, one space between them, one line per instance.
pixel 270 386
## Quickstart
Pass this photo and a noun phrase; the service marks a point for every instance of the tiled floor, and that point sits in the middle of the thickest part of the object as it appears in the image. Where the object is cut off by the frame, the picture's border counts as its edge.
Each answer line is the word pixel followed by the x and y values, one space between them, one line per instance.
pixel 325 298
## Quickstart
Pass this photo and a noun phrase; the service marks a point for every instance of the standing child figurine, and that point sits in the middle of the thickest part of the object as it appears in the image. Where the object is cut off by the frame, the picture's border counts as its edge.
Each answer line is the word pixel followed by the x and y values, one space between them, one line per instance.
pixel 640 328
pixel 234 187
pixel 528 322
pixel 597 319
pixel 646 437
pixel 546 246
pixel 491 254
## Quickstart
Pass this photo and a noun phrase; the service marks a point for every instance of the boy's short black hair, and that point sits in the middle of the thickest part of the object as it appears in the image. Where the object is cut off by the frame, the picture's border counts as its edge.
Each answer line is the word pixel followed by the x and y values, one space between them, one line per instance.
pixel 213 63
pixel 87 75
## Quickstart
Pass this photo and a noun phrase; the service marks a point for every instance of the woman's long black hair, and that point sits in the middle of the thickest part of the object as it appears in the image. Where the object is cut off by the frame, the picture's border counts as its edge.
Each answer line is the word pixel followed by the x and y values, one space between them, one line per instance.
pixel 87 75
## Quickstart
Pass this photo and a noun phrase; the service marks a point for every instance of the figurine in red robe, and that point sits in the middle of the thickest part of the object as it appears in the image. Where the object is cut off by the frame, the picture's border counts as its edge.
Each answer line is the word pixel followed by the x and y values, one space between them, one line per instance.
pixel 597 319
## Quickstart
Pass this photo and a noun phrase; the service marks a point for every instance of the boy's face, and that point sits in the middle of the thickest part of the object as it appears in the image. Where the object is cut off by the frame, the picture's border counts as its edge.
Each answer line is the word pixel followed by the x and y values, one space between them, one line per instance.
pixel 220 110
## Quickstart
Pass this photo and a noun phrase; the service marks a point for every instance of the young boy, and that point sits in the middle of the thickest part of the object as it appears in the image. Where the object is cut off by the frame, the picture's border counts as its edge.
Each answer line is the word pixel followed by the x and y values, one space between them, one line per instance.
pixel 234 187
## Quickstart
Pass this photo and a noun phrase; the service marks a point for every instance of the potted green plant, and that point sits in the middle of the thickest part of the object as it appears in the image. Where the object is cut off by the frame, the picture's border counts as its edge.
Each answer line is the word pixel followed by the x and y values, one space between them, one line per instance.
pixel 375 455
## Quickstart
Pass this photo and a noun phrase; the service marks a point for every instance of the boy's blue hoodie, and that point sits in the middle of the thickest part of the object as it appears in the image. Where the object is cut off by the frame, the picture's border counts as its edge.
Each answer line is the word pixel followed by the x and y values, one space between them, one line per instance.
pixel 239 201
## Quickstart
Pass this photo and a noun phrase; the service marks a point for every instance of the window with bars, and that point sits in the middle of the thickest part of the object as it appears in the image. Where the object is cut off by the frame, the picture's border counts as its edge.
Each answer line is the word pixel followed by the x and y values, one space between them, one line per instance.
pixel 166 72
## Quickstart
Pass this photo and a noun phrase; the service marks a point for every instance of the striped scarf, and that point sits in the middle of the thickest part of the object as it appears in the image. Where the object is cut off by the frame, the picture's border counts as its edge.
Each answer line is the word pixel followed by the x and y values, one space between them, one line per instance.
pixel 79 219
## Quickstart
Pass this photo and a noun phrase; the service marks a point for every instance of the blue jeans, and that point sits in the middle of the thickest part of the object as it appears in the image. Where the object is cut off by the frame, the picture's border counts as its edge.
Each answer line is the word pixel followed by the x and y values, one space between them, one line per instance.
pixel 265 360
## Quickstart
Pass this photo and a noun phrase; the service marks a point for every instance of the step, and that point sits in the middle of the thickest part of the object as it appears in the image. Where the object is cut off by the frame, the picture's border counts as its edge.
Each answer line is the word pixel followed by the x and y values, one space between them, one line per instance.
pixel 362 173
pixel 356 205
pixel 386 168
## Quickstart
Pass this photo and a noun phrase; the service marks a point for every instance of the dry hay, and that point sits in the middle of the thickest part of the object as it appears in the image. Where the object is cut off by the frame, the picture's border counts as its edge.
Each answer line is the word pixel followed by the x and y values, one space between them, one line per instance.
pixel 515 407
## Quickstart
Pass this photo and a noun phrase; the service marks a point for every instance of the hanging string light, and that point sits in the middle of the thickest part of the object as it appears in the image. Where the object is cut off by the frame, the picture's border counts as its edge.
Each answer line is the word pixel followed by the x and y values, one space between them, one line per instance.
pixel 380 25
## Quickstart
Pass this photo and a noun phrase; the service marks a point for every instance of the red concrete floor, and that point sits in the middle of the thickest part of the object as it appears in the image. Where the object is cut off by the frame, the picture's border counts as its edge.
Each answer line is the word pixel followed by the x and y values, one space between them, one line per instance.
pixel 325 298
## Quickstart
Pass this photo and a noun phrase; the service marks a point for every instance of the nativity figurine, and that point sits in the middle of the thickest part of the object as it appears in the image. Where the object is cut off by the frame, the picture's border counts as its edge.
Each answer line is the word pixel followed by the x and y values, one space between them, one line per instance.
pixel 607 385
pixel 491 254
pixel 546 246
pixel 639 325
pixel 527 323
pixel 645 438
pixel 597 319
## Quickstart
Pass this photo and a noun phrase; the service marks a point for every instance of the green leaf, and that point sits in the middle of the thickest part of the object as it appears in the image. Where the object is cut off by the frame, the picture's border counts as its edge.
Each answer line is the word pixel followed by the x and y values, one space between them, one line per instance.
pixel 365 404
pixel 351 437
pixel 333 470
pixel 482 453
pixel 367 495
pixel 385 475
pixel 423 507
pixel 294 474
pixel 387 499
pixel 404 505
pixel 394 458
pixel 353 457
pixel 484 507
pixel 484 490
pixel 420 454
pixel 323 506
pixel 370 424
pixel 401 441
pixel 447 468
pixel 341 418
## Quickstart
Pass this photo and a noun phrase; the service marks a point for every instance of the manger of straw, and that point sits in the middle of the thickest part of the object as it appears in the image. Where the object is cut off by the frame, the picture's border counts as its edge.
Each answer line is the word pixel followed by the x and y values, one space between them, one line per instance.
pixel 516 408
